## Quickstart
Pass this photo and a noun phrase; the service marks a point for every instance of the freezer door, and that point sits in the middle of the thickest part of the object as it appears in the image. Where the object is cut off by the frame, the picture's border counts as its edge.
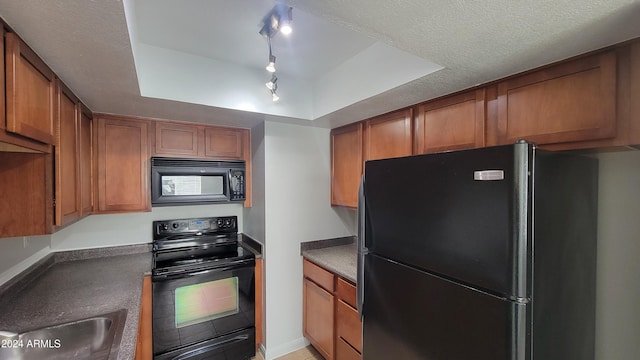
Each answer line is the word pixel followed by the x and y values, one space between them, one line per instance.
pixel 410 314
pixel 461 215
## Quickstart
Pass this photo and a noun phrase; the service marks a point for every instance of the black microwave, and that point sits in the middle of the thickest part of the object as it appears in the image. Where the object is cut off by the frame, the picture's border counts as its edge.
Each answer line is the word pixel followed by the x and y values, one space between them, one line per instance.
pixel 190 181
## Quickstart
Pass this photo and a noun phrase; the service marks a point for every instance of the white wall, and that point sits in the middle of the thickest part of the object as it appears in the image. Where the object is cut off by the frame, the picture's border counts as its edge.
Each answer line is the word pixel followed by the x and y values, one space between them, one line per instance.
pixel 17 254
pixel 297 209
pixel 255 215
pixel 106 230
pixel 618 287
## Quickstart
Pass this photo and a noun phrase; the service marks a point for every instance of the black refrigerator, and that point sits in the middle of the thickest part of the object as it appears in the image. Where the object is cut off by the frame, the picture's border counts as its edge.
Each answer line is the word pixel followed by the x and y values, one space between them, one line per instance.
pixel 483 254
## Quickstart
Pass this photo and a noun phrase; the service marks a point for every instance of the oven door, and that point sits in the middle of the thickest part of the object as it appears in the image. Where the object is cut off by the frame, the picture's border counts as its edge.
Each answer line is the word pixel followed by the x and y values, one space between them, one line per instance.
pixel 205 314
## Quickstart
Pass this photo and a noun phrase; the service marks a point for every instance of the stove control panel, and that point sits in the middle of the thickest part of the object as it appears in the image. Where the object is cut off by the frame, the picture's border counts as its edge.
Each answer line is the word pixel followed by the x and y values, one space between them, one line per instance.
pixel 211 225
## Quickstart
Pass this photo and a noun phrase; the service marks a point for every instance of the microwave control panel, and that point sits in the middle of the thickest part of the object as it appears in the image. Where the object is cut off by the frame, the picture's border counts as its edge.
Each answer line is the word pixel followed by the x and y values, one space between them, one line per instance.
pixel 236 182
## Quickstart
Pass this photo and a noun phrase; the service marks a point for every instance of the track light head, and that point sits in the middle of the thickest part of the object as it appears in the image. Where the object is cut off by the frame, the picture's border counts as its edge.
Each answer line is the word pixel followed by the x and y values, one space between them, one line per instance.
pixel 273 83
pixel 271 66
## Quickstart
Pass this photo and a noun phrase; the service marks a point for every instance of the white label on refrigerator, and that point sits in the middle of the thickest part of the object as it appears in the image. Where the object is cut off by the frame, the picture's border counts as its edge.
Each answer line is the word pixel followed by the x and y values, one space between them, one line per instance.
pixel 488 175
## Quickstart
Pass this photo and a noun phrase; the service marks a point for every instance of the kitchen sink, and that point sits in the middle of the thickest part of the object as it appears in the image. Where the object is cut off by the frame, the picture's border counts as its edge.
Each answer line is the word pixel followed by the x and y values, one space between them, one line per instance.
pixel 93 338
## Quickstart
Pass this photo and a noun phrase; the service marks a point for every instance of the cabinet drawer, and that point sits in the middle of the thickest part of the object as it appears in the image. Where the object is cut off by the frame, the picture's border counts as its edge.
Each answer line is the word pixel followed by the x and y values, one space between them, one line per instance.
pixel 346 291
pixel 319 275
pixel 348 325
pixel 345 352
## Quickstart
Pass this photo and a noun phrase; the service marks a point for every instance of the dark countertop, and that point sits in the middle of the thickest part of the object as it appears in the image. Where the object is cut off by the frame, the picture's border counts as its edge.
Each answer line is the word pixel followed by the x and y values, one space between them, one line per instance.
pixel 336 255
pixel 73 289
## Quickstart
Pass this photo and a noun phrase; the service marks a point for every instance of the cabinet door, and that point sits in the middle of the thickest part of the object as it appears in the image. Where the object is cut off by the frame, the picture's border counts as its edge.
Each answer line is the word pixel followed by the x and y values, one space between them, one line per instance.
pixel 574 101
pixel 67 161
pixel 318 318
pixel 176 139
pixel 223 143
pixel 25 208
pixel 388 136
pixel 634 93
pixel 346 165
pixel 123 170
pixel 452 123
pixel 86 160
pixel 30 89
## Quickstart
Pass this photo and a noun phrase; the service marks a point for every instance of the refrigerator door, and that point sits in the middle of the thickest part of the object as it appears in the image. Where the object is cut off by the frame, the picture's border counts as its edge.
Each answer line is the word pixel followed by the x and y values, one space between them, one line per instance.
pixel 410 314
pixel 460 215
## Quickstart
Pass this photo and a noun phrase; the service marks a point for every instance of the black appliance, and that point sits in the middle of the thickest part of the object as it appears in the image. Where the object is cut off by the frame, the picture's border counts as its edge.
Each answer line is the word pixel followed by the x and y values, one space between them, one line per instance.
pixel 192 181
pixel 484 254
pixel 203 290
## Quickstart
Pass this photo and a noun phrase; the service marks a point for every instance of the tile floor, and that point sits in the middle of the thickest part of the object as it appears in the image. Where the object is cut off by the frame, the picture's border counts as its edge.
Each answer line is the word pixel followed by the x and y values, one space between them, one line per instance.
pixel 307 353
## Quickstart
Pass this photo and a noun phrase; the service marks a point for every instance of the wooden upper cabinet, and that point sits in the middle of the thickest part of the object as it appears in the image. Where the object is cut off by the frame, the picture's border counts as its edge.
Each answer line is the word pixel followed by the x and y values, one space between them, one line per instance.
pixel 122 165
pixel 86 160
pixel 174 139
pixel 572 101
pixel 30 92
pixel 67 160
pixel 226 143
pixel 25 194
pixel 190 140
pixel 346 165
pixel 634 95
pixel 388 136
pixel 451 123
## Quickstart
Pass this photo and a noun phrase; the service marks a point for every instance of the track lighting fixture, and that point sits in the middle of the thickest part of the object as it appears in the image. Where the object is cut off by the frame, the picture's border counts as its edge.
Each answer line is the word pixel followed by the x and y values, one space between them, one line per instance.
pixel 273 83
pixel 276 20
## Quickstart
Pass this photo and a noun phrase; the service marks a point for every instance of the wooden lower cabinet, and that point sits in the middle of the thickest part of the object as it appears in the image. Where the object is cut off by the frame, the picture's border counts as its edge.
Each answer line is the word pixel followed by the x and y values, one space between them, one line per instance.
pixel 318 318
pixel 144 344
pixel 348 326
pixel 331 322
pixel 344 351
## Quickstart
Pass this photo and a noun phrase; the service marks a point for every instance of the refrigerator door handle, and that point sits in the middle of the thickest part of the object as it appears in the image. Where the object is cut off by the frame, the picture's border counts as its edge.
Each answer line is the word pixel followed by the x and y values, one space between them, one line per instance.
pixel 362 250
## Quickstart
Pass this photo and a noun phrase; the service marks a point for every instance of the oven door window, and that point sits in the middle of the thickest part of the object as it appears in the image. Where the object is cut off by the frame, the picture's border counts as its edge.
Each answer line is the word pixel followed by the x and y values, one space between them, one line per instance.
pixel 202 306
pixel 206 301
pixel 177 185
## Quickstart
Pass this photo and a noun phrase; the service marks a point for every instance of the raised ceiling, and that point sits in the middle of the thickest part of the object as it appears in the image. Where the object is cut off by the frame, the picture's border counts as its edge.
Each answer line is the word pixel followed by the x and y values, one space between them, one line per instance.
pixel 117 55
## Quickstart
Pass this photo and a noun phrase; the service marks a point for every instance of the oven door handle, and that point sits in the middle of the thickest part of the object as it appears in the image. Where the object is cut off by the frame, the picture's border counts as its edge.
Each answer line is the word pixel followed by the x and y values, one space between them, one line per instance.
pixel 186 274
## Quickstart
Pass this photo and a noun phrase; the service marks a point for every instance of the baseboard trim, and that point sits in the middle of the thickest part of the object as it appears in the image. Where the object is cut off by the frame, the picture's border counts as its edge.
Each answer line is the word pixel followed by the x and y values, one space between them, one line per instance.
pixel 274 352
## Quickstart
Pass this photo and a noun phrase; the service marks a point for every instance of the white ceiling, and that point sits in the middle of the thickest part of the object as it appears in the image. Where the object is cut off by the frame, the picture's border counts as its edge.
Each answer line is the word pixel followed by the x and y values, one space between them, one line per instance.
pixel 195 60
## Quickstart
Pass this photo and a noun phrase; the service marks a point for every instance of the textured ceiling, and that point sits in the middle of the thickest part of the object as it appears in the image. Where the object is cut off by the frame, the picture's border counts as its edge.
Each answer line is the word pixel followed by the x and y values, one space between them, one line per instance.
pixel 87 43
